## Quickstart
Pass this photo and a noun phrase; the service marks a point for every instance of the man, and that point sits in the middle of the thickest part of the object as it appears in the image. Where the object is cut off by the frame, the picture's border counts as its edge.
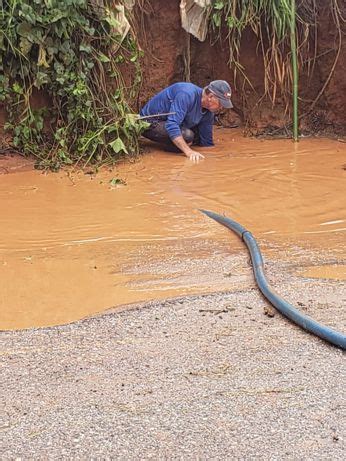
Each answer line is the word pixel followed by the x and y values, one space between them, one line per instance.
pixel 187 115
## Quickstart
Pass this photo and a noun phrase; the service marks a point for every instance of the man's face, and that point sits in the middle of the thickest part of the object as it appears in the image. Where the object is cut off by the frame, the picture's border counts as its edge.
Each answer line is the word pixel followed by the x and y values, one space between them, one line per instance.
pixel 213 102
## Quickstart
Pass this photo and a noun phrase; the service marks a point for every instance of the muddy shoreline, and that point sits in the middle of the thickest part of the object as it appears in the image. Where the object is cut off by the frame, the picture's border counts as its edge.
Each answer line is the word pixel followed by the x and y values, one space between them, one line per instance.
pixel 214 375
pixel 208 376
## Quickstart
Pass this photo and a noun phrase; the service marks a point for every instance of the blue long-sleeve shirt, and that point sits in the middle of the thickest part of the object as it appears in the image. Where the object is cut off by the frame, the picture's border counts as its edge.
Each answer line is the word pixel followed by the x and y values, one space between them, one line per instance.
pixel 184 99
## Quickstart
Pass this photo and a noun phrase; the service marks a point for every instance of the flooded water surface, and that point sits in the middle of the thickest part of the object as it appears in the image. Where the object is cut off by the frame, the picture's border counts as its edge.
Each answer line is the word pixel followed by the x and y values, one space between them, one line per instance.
pixel 74 244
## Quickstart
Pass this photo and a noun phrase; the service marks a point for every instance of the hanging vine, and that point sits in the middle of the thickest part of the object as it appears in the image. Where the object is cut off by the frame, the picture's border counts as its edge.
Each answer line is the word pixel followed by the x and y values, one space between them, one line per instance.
pixel 73 51
pixel 270 21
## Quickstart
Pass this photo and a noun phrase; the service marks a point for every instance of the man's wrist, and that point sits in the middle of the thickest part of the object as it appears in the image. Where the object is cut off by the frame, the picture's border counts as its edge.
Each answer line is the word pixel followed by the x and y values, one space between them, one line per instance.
pixel 188 152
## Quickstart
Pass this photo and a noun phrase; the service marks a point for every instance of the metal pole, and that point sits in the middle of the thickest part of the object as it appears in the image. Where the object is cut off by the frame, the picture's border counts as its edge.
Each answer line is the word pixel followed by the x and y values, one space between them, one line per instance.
pixel 294 70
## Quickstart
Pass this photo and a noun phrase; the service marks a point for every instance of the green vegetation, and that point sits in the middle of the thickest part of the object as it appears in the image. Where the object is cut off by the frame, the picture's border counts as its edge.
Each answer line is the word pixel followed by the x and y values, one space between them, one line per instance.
pixel 73 51
pixel 270 20
pixel 294 69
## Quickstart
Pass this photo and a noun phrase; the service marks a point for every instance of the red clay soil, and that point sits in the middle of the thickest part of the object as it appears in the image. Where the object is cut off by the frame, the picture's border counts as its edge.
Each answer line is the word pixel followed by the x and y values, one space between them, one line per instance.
pixel 165 43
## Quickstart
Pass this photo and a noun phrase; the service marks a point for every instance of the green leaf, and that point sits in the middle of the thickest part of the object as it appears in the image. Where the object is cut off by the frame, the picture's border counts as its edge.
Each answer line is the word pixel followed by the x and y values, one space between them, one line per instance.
pixel 131 119
pixel 218 5
pixel 24 29
pixel 118 146
pixel 90 30
pixel 38 120
pixel 41 79
pixel 217 19
pixel 112 128
pixel 85 48
pixel 8 126
pixel 25 46
pixel 103 57
pixel 56 15
pixel 117 182
pixel 112 21
pixel 17 88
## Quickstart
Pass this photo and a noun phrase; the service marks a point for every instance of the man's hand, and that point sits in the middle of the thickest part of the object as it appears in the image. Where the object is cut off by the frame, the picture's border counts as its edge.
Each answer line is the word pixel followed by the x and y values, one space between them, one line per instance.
pixel 191 154
pixel 194 156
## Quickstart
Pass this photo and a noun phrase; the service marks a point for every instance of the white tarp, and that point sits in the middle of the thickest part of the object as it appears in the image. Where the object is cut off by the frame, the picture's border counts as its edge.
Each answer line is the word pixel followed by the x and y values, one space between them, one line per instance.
pixel 194 17
pixel 115 16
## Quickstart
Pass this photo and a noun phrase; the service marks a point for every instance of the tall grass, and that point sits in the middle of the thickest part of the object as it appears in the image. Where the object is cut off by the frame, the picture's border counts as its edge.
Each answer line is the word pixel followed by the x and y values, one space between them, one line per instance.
pixel 270 21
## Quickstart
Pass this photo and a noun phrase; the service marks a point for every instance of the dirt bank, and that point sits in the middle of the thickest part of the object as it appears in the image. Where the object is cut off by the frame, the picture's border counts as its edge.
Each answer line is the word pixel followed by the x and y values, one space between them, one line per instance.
pixel 165 44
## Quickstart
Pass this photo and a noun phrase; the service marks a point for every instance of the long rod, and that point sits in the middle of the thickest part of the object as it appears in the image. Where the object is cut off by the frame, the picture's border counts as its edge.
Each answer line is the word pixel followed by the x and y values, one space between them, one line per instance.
pixel 294 69
pixel 144 117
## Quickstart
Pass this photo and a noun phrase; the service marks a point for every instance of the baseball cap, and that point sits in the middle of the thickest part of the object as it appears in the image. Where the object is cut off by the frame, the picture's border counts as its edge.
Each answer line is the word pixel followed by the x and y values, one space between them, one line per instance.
pixel 222 90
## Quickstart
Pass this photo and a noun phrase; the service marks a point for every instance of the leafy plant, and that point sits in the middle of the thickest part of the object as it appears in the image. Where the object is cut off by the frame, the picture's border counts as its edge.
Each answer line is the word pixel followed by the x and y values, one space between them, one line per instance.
pixel 73 51
pixel 270 21
pixel 114 182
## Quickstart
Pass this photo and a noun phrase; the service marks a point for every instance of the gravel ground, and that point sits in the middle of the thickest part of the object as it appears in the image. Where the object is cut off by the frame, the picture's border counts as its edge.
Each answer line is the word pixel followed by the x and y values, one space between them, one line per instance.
pixel 199 377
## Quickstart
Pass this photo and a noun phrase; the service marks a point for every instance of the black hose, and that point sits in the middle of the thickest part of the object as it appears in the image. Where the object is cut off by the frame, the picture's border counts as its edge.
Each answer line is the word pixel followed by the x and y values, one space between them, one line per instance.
pixel 322 331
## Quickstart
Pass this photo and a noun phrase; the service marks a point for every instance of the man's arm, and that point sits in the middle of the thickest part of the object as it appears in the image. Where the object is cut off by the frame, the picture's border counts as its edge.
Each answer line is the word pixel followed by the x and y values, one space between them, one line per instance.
pixel 191 154
pixel 179 108
pixel 205 130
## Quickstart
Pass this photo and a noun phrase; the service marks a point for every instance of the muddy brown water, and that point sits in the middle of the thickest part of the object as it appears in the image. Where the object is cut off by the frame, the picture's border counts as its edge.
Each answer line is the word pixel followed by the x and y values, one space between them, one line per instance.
pixel 73 244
